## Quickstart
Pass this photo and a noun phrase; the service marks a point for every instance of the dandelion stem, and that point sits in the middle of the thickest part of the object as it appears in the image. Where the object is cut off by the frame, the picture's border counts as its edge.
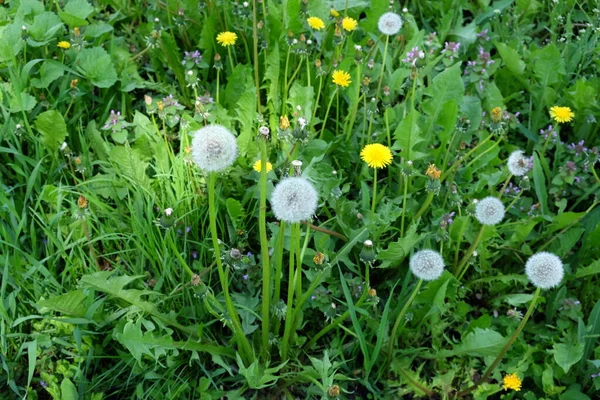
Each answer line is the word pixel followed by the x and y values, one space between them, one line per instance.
pixel 264 248
pixel 289 318
pixel 230 58
pixel 406 178
pixel 218 73
pixel 459 271
pixel 255 37
pixel 512 339
pixel 387 40
pixel 350 125
pixel 327 114
pixel 279 269
pixel 400 317
pixel 504 186
pixel 300 257
pixel 424 207
pixel 374 200
pixel 457 162
pixel 244 345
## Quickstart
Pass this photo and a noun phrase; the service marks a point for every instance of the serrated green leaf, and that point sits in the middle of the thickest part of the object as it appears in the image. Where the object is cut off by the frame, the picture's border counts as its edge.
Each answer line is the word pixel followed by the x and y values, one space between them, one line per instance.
pixel 144 343
pixel 27 102
pixel 95 64
pixel 52 128
pixel 480 343
pixel 76 12
pixel 549 64
pixel 539 183
pixel 71 303
pixel 49 72
pixel 447 86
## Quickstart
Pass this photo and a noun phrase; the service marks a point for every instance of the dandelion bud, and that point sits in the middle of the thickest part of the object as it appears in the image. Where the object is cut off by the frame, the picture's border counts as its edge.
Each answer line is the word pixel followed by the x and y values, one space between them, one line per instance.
pixel 319 258
pixel 427 265
pixel 74 83
pixel 318 63
pixel 489 211
pixel 82 202
pixel 294 199
pixel 496 114
pixel 333 391
pixel 518 163
pixel 367 253
pixel 544 270
pixel 389 23
pixel 235 254
pixel 147 99
pixel 284 122
pixel 372 292
pixel 433 172
pixel 264 131
pixel 196 280
pixel 214 148
pixel 297 164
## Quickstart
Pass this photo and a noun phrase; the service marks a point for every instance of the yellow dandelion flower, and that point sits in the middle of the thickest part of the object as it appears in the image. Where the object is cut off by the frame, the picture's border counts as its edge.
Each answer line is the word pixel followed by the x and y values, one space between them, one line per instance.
pixel 433 172
pixel 561 114
pixel 496 114
pixel 341 78
pixel 334 13
pixel 349 24
pixel 284 122
pixel 316 23
pixel 226 38
pixel 64 45
pixel 257 166
pixel 376 155
pixel 512 381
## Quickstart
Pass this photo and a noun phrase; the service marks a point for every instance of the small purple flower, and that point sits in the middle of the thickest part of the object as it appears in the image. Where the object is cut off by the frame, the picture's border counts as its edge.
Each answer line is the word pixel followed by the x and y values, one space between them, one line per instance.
pixel 188 229
pixel 206 99
pixel 413 56
pixel 577 179
pixel 570 167
pixel 447 220
pixel 194 254
pixel 579 148
pixel 194 57
pixel 483 35
pixel 451 49
pixel 43 384
pixel 245 277
pixel 313 297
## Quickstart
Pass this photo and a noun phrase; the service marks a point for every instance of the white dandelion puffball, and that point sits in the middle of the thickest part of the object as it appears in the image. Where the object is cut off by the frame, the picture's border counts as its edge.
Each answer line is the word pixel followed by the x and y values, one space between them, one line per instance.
pixel 518 163
pixel 544 270
pixel 214 148
pixel 389 23
pixel 489 211
pixel 294 199
pixel 427 264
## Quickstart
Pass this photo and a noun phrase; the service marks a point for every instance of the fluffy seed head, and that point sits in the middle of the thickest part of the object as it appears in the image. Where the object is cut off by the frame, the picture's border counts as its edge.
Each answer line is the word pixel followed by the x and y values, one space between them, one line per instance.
pixel 544 270
pixel 294 199
pixel 214 148
pixel 518 163
pixel 389 23
pixel 489 211
pixel 427 265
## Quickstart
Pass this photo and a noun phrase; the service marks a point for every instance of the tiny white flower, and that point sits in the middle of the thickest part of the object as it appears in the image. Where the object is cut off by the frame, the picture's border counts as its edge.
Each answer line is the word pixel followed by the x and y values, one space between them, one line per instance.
pixel 357 47
pixel 302 122
pixel 63 146
pixel 368 243
pixel 405 10
pixel 168 211
pixel 309 42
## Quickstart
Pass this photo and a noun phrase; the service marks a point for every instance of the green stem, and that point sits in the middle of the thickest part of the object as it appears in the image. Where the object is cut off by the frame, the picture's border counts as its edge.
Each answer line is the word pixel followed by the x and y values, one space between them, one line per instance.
pixel 285 83
pixel 387 40
pixel 264 248
pixel 218 73
pixel 510 342
pixel 299 258
pixel 505 185
pixel 289 319
pixel 279 270
pixel 327 113
pixel 255 37
pixel 374 200
pixel 244 346
pixel 308 70
pixel 230 58
pixel 457 162
pixel 459 271
pixel 424 207
pixel 400 317
pixel 484 153
pixel 348 128
pixel 406 178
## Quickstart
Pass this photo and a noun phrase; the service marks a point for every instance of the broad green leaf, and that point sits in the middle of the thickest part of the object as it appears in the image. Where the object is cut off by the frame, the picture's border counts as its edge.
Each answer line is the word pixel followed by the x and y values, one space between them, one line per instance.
pixel 548 65
pixel 592 269
pixel 11 43
pixel 245 111
pixel 68 391
pixel 95 64
pixel 397 251
pixel 511 58
pixel 480 343
pixel 43 29
pixel 71 303
pixel 49 72
pixel 567 355
pixel 25 102
pixel 237 85
pixel 447 86
pixel 516 299
pixel 76 12
pixel 52 128
pixel 234 208
pixel 407 135
pixel 302 96
pixel 539 183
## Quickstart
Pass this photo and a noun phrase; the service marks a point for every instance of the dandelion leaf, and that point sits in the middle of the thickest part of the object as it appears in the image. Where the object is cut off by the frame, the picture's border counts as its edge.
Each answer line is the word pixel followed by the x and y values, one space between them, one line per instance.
pixel 96 66
pixel 52 128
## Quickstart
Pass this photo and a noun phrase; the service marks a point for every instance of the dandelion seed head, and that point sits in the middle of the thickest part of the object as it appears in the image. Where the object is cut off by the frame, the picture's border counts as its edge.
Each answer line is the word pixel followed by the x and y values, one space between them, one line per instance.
pixel 214 148
pixel 544 270
pixel 427 265
pixel 389 23
pixel 489 211
pixel 294 199
pixel 518 163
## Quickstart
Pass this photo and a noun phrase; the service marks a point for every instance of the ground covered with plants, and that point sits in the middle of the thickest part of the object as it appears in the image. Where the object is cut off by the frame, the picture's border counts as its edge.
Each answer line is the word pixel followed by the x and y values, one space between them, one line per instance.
pixel 299 200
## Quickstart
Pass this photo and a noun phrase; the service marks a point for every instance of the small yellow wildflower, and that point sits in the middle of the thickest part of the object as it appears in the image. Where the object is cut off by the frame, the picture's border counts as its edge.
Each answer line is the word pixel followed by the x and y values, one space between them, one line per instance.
pixel 561 114
pixel 512 381
pixel 226 38
pixel 76 31
pixel 64 45
pixel 372 292
pixel 333 391
pixel 257 166
pixel 376 155
pixel 341 78
pixel 82 202
pixel 349 24
pixel 316 23
pixel 284 122
pixel 319 258
pixel 334 13
pixel 433 172
pixel 496 114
